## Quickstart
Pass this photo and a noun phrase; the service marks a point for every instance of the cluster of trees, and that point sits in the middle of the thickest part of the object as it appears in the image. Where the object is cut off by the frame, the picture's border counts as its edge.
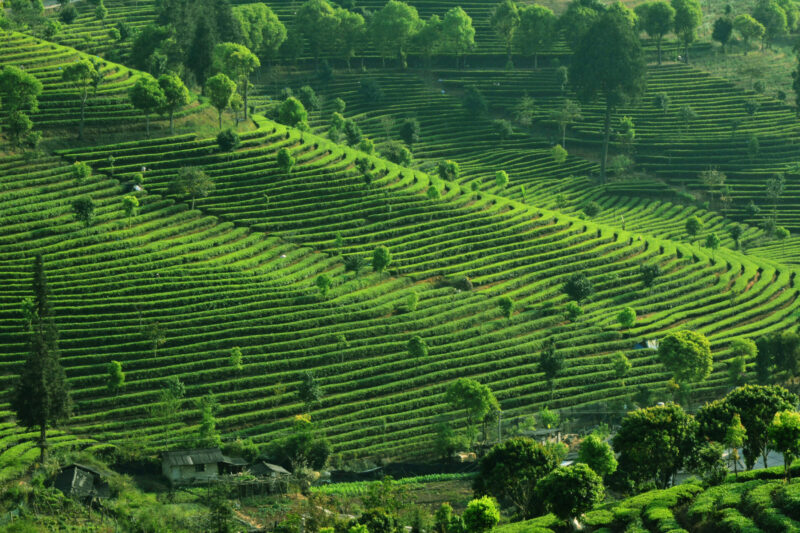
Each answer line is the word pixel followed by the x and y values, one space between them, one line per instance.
pixel 164 95
pixel 652 445
pixel 393 30
pixel 768 20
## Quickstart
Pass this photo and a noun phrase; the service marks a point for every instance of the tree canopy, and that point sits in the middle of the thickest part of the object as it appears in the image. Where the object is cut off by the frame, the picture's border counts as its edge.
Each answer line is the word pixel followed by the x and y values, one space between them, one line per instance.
pixel 608 62
pixel 687 354
pixel 511 471
pixel 654 443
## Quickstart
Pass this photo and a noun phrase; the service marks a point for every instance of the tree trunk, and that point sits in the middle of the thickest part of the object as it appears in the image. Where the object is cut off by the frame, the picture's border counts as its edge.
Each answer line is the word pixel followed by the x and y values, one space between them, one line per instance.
pixel 220 119
pixel 606 135
pixel 764 456
pixel 244 95
pixel 535 61
pixel 171 122
pixel 42 442
pixel 686 51
pixel 147 122
pixel 658 46
pixel 508 55
pixel 83 109
pixel 563 136
pixel 192 201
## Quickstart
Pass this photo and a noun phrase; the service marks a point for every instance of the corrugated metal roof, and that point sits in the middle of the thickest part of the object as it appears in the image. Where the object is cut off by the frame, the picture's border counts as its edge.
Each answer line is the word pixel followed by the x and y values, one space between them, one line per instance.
pixel 238 461
pixel 193 457
pixel 261 468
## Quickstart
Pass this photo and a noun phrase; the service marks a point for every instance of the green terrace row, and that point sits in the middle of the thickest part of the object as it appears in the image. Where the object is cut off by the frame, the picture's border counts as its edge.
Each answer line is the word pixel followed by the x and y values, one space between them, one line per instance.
pixel 370 377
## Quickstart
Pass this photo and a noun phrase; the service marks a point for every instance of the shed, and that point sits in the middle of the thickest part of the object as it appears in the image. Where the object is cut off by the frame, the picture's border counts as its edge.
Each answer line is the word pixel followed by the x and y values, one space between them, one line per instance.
pixel 232 465
pixel 265 469
pixel 82 482
pixel 190 466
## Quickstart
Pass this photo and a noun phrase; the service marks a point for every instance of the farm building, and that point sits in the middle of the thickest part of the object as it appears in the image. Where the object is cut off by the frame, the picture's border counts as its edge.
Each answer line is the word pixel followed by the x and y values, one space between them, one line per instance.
pixel 82 482
pixel 197 466
pixel 268 470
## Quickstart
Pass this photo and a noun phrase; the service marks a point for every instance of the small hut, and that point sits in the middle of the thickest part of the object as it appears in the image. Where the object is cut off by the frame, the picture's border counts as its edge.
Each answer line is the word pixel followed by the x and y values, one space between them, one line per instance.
pixel 82 482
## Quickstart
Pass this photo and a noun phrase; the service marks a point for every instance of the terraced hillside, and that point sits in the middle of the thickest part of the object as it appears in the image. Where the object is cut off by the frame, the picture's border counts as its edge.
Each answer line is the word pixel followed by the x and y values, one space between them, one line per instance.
pixel 448 132
pixel 213 280
pixel 59 103
pixel 666 145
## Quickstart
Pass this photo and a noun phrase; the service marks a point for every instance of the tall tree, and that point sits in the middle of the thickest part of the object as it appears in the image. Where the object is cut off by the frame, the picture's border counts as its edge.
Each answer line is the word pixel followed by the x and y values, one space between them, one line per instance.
pixel 19 93
pixel 551 363
pixel 220 89
pixel 536 32
pixel 146 95
pixel 657 19
pixel 258 28
pixel 393 27
pixel 597 453
pixel 40 396
pixel 654 443
pixel 784 437
pixel 309 391
pixel 687 354
pixel 688 16
pixel 512 469
pixel 749 28
pixel 723 28
pixel 570 491
pixel 80 75
pixel 237 62
pixel 756 405
pixel 773 17
pixel 505 21
pixel 352 30
pixel 176 95
pixel 608 62
pixel 191 182
pixel 429 37
pixel 578 18
pixel 569 113
pixel 458 35
pixel 316 20
pixel 474 399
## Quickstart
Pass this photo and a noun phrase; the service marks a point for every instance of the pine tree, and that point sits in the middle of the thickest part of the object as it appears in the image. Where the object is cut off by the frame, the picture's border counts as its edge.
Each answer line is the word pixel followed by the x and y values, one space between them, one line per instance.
pixel 41 395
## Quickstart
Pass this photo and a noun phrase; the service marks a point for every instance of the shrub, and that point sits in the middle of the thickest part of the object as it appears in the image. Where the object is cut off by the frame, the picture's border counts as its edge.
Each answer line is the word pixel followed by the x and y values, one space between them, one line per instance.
pixel 578 287
pixel 370 91
pixel 592 208
pixel 228 140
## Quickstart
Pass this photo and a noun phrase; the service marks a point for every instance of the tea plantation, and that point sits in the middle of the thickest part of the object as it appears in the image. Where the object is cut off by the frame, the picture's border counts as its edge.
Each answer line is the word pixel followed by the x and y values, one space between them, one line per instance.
pixel 341 227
